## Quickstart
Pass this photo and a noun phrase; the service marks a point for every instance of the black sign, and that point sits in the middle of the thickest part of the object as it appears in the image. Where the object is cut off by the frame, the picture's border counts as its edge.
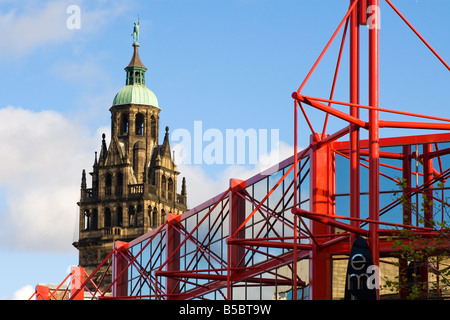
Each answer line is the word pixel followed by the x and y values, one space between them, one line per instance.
pixel 361 282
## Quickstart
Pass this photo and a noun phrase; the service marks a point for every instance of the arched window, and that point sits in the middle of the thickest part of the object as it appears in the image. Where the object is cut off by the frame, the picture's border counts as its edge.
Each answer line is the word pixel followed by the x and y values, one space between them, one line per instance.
pixel 139 124
pixel 139 216
pixel 107 218
pixel 132 216
pixel 149 215
pixel 108 184
pixel 119 217
pixel 119 183
pixel 153 127
pixel 163 186
pixel 93 223
pixel 87 219
pixel 124 124
pixel 163 216
pixel 139 159
pixel 137 77
pixel 155 217
pixel 170 188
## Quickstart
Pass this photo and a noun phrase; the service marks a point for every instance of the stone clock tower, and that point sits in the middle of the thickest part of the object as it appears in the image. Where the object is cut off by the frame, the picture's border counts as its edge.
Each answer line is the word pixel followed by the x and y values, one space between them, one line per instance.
pixel 134 179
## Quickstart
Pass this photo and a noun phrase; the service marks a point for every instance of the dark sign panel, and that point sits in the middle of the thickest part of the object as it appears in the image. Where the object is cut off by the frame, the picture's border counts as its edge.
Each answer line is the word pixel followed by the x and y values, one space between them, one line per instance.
pixel 361 279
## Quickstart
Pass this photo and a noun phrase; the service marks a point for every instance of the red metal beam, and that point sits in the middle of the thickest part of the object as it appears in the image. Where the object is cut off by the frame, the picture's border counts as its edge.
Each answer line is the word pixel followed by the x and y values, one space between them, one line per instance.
pixel 327 220
pixel 42 292
pixel 398 141
pixel 269 244
pixel 414 125
pixel 172 252
pixel 322 187
pixel 77 291
pixel 236 219
pixel 330 110
pixel 374 137
pixel 383 154
pixel 393 111
pixel 354 151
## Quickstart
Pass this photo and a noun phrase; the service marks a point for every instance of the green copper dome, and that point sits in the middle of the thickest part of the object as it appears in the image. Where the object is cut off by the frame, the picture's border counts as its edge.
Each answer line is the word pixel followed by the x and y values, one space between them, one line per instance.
pixel 135 90
pixel 135 94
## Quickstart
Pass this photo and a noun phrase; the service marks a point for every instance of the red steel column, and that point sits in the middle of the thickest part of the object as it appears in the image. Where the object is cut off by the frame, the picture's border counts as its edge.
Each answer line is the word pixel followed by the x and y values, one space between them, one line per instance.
pixel 42 292
pixel 427 177
pixel 119 264
pixel 236 218
pixel 77 281
pixel 427 210
pixel 406 175
pixel 322 188
pixel 354 111
pixel 294 260
pixel 374 147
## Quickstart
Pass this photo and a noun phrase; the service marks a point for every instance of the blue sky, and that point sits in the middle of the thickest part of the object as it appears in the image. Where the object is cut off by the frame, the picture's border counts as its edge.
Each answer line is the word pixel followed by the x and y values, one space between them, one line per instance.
pixel 228 63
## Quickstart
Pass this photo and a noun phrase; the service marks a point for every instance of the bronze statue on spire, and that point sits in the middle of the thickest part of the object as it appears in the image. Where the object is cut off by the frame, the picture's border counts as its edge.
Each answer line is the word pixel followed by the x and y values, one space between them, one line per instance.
pixel 136 31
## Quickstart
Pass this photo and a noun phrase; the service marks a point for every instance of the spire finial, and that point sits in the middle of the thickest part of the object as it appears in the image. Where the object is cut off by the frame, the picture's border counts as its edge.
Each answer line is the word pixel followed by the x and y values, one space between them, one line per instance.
pixel 104 148
pixel 166 136
pixel 83 179
pixel 183 187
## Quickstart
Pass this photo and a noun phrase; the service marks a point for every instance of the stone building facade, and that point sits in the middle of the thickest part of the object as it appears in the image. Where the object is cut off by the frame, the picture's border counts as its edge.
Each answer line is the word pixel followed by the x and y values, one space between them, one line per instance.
pixel 134 179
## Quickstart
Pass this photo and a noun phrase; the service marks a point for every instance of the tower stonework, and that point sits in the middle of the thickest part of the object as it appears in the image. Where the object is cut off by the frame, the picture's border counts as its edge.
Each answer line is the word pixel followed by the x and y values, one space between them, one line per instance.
pixel 134 179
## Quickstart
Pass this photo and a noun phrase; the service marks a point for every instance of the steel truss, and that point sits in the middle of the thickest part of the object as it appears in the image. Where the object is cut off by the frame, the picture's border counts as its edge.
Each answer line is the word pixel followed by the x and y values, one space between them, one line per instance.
pixel 275 235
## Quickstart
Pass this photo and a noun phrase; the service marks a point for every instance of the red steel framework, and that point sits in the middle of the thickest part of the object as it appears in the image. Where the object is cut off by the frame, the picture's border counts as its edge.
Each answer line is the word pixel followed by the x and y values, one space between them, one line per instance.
pixel 280 231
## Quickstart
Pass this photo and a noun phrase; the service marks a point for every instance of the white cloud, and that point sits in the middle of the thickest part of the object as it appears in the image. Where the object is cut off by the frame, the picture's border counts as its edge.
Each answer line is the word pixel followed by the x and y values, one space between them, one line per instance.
pixel 23 293
pixel 23 31
pixel 30 25
pixel 41 159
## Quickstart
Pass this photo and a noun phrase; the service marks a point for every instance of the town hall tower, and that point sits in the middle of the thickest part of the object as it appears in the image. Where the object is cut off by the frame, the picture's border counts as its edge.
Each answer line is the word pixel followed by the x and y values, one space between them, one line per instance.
pixel 134 179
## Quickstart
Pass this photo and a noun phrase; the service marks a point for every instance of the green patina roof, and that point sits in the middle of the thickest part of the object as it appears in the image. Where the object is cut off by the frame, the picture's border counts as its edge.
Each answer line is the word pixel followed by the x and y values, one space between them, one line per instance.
pixel 135 94
pixel 135 90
